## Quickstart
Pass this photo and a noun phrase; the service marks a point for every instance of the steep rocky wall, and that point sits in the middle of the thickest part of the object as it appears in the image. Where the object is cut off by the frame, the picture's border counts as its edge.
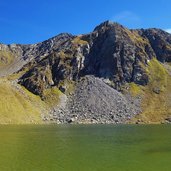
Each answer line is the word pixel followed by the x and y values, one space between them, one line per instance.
pixel 111 52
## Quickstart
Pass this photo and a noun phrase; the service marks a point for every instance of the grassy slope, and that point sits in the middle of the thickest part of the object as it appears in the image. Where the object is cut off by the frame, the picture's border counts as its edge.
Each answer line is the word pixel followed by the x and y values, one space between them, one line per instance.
pixel 156 103
pixel 17 105
pixel 6 58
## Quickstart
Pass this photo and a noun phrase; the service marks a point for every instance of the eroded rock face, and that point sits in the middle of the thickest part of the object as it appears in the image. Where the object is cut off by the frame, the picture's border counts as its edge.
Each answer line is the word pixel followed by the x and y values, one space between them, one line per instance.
pixel 160 42
pixel 62 64
pixel 111 52
pixel 21 55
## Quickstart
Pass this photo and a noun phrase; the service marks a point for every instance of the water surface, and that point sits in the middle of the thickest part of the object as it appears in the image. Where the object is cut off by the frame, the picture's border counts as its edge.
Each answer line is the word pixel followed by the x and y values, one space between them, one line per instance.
pixel 85 148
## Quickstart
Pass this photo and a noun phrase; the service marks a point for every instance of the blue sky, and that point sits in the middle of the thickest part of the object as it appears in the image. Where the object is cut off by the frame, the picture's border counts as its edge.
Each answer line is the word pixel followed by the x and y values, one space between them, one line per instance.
pixel 31 21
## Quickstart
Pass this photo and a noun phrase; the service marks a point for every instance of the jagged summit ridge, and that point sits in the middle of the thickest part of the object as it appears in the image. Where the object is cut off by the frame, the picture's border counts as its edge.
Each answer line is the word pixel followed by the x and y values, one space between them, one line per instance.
pixel 111 52
pixel 107 23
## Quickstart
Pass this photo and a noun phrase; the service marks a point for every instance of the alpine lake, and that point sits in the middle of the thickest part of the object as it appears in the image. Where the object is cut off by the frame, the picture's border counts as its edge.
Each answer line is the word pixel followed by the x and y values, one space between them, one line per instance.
pixel 85 148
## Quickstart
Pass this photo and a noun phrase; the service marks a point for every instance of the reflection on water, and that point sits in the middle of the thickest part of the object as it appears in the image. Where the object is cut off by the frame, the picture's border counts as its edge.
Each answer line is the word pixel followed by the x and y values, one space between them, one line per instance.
pixel 85 148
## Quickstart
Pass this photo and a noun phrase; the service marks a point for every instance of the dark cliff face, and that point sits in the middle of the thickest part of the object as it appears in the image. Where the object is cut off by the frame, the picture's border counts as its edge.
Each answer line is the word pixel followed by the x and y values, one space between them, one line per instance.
pixel 160 42
pixel 63 63
pixel 118 54
pixel 111 52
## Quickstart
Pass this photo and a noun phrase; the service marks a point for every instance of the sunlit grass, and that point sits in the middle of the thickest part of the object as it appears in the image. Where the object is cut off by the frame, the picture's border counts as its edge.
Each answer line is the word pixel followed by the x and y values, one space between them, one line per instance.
pixel 18 106
pixel 156 103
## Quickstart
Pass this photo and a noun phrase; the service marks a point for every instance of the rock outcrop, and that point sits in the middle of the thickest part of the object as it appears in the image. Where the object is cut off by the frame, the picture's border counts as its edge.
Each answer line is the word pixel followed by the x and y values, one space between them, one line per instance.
pixel 111 52
pixel 99 67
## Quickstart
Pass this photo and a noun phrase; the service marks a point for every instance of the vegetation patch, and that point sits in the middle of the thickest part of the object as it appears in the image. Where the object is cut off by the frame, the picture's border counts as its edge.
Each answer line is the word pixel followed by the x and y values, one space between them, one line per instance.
pixel 78 40
pixel 135 89
pixel 156 103
pixel 6 58
pixel 17 105
pixel 68 86
pixel 158 76
pixel 51 96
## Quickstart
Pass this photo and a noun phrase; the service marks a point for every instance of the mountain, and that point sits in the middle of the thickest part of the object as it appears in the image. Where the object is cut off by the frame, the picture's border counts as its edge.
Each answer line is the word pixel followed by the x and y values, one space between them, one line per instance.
pixel 111 75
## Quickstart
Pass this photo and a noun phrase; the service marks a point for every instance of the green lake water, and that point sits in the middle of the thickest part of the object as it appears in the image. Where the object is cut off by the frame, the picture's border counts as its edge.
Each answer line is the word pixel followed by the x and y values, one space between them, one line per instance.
pixel 85 148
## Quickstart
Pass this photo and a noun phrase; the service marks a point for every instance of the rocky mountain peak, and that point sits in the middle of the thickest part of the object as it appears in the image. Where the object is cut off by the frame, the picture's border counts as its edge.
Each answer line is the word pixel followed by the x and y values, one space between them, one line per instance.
pixel 111 52
pixel 108 24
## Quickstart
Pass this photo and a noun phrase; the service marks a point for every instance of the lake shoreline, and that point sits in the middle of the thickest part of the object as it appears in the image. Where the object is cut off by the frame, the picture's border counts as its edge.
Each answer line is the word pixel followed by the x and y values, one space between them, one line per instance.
pixel 150 123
